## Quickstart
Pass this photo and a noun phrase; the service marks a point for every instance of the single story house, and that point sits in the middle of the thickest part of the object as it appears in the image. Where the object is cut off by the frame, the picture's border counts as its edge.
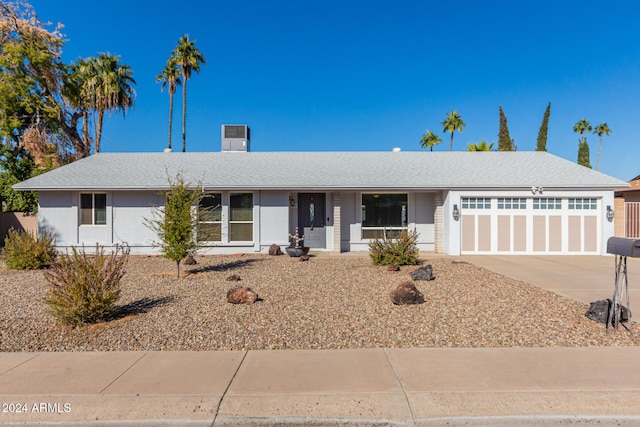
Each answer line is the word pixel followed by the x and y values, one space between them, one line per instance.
pixel 627 208
pixel 458 202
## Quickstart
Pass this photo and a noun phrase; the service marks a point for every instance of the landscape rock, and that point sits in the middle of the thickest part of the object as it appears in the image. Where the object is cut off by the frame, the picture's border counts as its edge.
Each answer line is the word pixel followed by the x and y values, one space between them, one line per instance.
pixel 189 260
pixel 233 278
pixel 393 267
pixel 407 293
pixel 423 273
pixel 599 311
pixel 304 258
pixel 275 250
pixel 241 295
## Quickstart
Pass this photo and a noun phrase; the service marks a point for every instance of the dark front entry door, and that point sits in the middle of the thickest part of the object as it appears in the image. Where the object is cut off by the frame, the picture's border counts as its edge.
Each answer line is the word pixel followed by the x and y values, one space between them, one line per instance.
pixel 311 219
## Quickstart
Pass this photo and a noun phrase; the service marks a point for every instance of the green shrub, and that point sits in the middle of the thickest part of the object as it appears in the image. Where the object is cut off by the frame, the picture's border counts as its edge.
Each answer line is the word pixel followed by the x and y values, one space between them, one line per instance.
pixel 85 288
pixel 402 250
pixel 23 251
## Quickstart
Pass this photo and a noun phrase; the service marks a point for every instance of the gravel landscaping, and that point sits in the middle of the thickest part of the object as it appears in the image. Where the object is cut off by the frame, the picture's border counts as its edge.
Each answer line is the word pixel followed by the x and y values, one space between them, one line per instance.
pixel 328 302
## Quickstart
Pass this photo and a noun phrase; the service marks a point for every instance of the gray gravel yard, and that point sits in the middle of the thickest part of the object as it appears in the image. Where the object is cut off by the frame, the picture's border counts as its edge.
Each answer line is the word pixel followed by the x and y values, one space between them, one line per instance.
pixel 328 302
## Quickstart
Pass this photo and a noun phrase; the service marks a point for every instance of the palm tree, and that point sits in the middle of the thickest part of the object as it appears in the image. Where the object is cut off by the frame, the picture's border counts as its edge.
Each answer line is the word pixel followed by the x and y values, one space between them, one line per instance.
pixel 581 127
pixel 72 91
pixel 482 146
pixel 601 129
pixel 451 123
pixel 170 79
pixel 107 86
pixel 429 139
pixel 188 58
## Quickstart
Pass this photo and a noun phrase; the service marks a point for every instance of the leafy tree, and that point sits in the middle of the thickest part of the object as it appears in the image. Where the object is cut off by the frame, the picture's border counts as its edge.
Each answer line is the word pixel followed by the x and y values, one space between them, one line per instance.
pixel 601 129
pixel 583 154
pixel 176 222
pixel 581 127
pixel 544 127
pixel 452 123
pixel 505 143
pixel 482 146
pixel 188 58
pixel 429 139
pixel 170 79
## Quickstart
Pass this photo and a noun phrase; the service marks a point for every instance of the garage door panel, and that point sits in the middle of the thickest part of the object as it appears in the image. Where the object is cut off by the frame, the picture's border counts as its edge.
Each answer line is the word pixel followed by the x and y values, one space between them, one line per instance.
pixel 468 233
pixel 519 233
pixel 575 233
pixel 484 233
pixel 590 233
pixel 555 233
pixel 504 233
pixel 539 233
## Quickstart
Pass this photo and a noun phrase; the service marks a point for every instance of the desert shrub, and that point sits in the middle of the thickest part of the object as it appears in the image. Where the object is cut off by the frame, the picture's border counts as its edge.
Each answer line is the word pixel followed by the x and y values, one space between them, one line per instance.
pixel 402 250
pixel 24 251
pixel 85 288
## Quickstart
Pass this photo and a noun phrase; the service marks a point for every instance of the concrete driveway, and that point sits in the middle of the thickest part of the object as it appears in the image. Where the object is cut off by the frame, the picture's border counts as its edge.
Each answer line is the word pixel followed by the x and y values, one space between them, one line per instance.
pixel 581 277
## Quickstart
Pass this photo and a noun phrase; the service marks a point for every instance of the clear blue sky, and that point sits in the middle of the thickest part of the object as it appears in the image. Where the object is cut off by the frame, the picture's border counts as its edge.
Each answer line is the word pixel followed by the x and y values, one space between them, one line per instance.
pixel 337 75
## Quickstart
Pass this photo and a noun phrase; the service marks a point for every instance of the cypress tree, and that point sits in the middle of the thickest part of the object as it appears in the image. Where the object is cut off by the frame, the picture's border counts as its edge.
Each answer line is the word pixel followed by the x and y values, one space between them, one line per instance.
pixel 542 133
pixel 505 143
pixel 583 154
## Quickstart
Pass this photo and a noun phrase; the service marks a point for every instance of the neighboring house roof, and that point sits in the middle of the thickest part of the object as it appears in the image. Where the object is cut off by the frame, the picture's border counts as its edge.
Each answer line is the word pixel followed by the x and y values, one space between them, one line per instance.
pixel 323 171
pixel 634 185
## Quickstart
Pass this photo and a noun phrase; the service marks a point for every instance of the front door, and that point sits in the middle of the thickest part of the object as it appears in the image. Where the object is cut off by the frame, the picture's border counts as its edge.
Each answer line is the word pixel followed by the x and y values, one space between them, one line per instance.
pixel 311 219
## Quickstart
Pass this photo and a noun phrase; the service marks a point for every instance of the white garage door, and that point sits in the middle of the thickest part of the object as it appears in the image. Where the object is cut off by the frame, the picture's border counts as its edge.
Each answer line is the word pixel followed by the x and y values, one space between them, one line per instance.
pixel 525 225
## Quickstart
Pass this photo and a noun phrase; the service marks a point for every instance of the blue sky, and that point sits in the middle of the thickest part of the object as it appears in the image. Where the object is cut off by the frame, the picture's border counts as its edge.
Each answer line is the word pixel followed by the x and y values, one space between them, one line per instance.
pixel 369 76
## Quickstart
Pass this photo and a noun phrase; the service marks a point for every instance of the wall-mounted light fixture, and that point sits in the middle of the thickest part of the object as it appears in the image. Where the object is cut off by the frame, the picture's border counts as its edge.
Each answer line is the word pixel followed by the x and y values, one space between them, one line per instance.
pixel 292 202
pixel 456 212
pixel 537 190
pixel 609 213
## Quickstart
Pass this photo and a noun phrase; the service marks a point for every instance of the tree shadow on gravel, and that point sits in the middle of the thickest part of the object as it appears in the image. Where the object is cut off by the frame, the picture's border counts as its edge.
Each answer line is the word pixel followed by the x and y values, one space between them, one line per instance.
pixel 225 266
pixel 141 306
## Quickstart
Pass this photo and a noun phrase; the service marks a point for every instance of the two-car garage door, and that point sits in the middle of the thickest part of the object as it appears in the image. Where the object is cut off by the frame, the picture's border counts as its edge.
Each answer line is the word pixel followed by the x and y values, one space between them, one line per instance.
pixel 524 225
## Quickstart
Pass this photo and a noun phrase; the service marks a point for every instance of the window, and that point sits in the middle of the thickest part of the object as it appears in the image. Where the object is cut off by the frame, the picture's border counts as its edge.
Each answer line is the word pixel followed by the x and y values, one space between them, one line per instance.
pixel 93 209
pixel 583 204
pixel 241 217
pixel 383 213
pixel 547 203
pixel 210 218
pixel 512 203
pixel 476 203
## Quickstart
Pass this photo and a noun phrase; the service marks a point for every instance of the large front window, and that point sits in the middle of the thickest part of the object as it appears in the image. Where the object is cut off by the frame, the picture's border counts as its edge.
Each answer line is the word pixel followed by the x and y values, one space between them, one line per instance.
pixel 93 209
pixel 383 213
pixel 241 217
pixel 210 218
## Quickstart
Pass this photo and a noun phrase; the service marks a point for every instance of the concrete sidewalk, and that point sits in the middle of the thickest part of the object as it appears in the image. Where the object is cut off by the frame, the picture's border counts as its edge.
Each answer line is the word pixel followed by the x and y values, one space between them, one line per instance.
pixel 405 387
pixel 423 387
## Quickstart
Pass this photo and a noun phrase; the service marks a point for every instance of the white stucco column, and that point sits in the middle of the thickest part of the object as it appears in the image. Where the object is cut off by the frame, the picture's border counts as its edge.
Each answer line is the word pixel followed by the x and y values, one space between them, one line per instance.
pixel 337 238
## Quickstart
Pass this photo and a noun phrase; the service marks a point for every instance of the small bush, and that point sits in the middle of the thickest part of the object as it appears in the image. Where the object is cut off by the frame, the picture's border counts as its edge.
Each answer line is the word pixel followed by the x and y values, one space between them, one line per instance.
pixel 402 250
pixel 85 288
pixel 23 251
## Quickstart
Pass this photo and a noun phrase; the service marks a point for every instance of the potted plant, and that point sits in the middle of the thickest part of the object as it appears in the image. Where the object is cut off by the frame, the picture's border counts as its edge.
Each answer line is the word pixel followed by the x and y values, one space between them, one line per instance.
pixel 296 243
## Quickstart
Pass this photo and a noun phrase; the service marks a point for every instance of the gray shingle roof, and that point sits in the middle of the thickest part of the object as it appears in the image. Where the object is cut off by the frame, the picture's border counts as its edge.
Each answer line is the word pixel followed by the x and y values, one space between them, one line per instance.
pixel 323 170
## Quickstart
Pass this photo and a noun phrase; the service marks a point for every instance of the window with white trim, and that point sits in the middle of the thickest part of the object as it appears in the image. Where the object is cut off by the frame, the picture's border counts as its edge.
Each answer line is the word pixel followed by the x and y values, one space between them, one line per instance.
pixel 241 217
pixel 547 203
pixel 512 203
pixel 476 203
pixel 210 218
pixel 383 214
pixel 93 209
pixel 583 204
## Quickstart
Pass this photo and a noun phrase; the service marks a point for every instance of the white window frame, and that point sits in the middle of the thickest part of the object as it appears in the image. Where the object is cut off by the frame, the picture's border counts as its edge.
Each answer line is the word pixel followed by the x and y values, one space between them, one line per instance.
pixel 94 210
pixel 393 229
pixel 231 222
pixel 220 222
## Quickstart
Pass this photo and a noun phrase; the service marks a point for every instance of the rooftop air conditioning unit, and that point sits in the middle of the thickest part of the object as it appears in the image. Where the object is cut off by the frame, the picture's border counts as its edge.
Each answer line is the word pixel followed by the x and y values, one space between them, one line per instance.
pixel 235 137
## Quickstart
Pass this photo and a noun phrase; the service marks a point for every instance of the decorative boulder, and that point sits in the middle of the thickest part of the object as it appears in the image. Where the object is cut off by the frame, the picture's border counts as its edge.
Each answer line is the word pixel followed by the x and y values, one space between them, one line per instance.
pixel 304 258
pixel 423 273
pixel 407 293
pixel 241 295
pixel 233 278
pixel 275 250
pixel 393 267
pixel 599 311
pixel 189 260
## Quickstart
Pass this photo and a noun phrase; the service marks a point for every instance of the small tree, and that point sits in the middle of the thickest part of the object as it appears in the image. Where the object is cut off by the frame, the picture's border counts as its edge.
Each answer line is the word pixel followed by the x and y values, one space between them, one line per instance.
pixel 176 222
pixel 505 143
pixel 583 154
pixel 544 127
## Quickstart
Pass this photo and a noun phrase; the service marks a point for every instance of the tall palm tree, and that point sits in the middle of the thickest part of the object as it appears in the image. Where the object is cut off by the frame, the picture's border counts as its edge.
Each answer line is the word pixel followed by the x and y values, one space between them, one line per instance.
pixel 601 129
pixel 108 86
pixel 452 123
pixel 72 91
pixel 170 79
pixel 188 58
pixel 482 146
pixel 429 139
pixel 581 127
